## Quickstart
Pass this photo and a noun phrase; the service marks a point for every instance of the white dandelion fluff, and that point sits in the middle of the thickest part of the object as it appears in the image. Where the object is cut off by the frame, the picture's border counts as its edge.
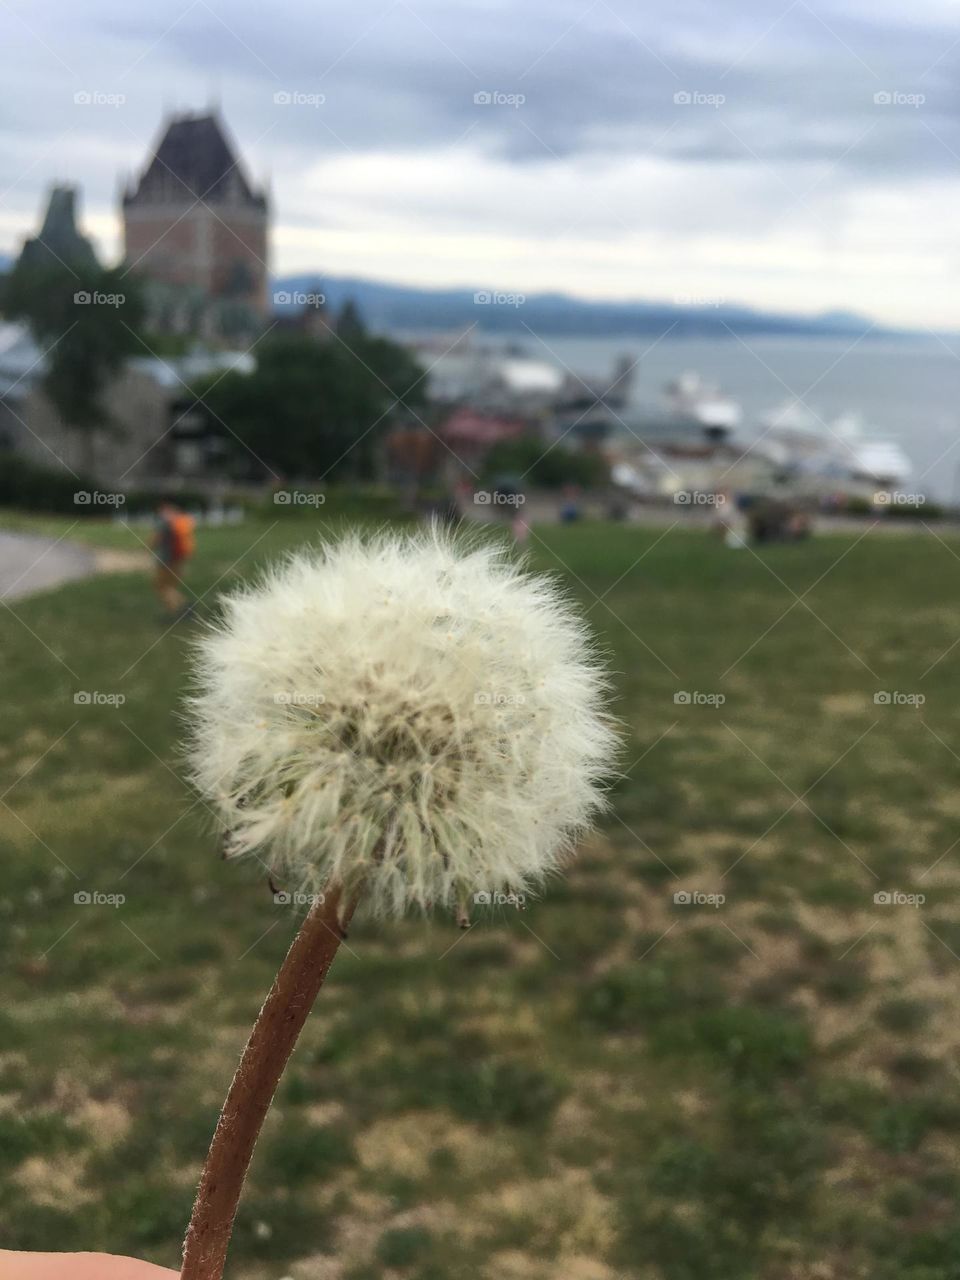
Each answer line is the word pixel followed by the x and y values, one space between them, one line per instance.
pixel 402 720
pixel 414 714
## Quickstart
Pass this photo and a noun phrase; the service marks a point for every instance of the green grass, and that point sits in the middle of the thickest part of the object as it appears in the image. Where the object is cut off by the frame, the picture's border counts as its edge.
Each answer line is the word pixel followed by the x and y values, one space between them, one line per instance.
pixel 88 531
pixel 613 1084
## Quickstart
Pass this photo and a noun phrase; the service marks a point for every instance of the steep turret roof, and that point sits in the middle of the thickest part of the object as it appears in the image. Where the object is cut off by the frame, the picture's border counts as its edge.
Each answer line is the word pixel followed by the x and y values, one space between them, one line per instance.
pixel 194 161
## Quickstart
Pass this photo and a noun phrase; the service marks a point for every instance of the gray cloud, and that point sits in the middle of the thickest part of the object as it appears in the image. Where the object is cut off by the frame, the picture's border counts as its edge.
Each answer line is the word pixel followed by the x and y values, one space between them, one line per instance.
pixel 596 80
pixel 599 80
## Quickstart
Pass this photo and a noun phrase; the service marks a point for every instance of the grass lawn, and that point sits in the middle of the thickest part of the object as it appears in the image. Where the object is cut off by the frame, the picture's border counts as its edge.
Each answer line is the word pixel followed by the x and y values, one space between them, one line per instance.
pixel 612 1085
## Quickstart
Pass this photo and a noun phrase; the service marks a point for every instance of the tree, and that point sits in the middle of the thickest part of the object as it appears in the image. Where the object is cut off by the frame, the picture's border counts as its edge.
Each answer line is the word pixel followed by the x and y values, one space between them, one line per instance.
pixel 545 466
pixel 349 323
pixel 86 318
pixel 314 409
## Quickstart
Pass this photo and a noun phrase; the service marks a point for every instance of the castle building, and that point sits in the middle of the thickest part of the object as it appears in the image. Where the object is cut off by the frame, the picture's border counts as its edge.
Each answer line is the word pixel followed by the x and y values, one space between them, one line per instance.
pixel 196 230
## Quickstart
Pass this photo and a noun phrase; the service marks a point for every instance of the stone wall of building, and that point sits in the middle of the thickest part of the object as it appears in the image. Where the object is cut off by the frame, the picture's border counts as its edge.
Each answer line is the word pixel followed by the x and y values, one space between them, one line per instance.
pixel 138 453
pixel 200 249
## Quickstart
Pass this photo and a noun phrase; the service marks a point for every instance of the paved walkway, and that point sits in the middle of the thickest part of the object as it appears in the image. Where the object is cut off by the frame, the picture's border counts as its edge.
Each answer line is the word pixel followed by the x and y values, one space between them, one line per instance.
pixel 29 563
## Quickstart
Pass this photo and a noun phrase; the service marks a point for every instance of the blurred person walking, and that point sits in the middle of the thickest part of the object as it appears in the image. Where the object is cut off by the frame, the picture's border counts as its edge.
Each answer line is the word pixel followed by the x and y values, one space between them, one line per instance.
pixel 173 544
pixel 520 529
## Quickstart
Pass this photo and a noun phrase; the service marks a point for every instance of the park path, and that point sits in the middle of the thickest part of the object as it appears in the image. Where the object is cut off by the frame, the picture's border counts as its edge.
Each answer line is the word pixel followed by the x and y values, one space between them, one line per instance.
pixel 29 563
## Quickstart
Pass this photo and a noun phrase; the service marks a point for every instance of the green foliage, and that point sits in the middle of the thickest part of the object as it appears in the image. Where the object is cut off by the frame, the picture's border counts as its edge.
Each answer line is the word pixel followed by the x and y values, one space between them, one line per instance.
pixel 38 1224
pixel 33 487
pixel 145 501
pixel 914 1067
pixel 544 467
pixel 476 1085
pixel 913 511
pixel 895 1123
pixel 843 981
pixel 403 1246
pixel 349 326
pixel 168 345
pixel 857 506
pixel 87 319
pixel 756 1044
pixel 756 1167
pixel 645 994
pixel 301 1152
pixel 903 1014
pixel 152 1211
pixel 37 1134
pixel 280 1225
pixel 318 409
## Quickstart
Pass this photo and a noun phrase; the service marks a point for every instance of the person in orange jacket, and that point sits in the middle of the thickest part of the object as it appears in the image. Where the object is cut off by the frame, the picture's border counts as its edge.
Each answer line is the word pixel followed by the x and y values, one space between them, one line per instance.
pixel 173 545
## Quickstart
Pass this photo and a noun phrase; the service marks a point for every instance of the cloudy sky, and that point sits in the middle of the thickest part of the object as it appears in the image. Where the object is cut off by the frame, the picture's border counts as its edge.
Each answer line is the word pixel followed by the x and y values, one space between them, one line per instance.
pixel 799 156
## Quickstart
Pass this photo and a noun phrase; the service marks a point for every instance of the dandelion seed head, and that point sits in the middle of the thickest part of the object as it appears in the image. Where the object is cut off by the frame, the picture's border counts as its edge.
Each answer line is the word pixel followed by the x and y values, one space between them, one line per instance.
pixel 413 714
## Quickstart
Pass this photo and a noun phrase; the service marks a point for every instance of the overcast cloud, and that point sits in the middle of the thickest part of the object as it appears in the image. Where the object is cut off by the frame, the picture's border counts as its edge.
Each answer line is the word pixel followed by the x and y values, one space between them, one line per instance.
pixel 799 156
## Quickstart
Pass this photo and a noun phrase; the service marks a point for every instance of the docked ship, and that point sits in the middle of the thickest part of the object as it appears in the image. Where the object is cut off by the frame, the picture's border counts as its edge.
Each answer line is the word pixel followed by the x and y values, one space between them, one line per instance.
pixel 841 452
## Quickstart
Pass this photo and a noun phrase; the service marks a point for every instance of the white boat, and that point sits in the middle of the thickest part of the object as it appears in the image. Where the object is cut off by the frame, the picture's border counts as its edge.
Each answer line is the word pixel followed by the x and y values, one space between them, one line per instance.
pixel 791 432
pixel 690 396
pixel 793 436
pixel 875 458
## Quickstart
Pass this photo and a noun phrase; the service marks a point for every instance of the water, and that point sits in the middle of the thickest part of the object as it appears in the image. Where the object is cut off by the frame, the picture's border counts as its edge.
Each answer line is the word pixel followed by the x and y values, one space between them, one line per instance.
pixel 908 391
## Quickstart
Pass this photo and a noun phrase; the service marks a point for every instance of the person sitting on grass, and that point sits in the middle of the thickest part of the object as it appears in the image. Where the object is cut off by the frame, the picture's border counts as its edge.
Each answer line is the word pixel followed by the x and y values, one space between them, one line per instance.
pixel 173 545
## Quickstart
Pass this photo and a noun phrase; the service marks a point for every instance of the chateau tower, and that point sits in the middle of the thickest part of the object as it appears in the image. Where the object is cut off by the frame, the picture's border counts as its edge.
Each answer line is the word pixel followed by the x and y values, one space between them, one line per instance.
pixel 194 223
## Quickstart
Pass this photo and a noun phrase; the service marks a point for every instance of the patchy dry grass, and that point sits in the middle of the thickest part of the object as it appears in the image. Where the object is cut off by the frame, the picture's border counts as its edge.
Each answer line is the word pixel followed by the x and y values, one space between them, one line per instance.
pixel 612 1085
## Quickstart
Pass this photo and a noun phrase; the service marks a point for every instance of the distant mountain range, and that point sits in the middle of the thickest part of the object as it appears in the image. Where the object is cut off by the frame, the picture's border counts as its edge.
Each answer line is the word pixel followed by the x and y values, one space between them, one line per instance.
pixel 393 308
pixel 390 307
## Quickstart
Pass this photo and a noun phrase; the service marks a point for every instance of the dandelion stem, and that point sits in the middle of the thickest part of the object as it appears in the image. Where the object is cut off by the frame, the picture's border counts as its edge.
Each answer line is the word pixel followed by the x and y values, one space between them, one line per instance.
pixel 271 1042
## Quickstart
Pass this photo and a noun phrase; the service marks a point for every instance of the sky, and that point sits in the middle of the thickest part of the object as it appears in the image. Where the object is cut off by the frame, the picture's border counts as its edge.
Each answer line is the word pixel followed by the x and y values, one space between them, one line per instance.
pixel 793 156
